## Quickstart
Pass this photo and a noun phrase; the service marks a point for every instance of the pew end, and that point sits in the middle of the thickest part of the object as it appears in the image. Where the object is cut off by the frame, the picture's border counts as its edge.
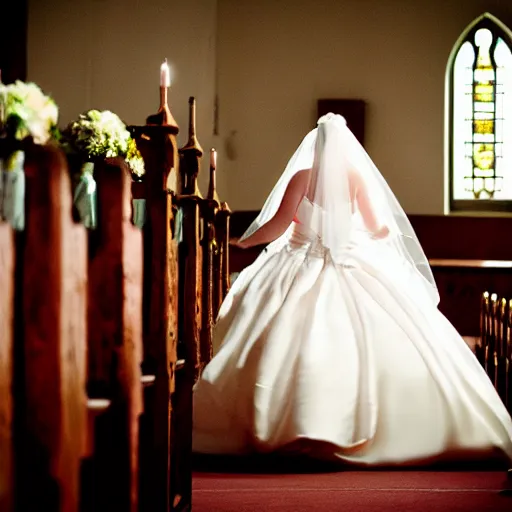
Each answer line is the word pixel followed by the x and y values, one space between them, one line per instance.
pixel 106 329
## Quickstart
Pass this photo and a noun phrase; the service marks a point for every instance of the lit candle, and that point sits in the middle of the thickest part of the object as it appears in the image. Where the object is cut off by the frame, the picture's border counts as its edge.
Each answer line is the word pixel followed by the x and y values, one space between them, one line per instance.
pixel 213 159
pixel 165 75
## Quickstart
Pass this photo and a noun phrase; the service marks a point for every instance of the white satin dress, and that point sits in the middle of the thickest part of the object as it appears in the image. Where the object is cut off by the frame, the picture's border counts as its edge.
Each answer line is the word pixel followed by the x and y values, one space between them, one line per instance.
pixel 354 360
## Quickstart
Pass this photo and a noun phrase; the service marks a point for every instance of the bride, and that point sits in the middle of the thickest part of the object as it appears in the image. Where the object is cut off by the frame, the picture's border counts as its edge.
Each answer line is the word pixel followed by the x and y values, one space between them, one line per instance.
pixel 331 342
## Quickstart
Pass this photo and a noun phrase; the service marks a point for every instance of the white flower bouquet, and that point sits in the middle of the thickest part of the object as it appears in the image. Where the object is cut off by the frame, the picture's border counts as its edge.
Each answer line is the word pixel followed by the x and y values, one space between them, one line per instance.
pixel 27 112
pixel 94 137
pixel 97 135
pixel 26 115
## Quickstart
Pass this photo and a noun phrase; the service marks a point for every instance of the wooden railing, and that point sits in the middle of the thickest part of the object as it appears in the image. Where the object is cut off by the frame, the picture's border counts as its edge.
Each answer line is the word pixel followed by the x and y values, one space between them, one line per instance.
pixel 495 348
pixel 104 333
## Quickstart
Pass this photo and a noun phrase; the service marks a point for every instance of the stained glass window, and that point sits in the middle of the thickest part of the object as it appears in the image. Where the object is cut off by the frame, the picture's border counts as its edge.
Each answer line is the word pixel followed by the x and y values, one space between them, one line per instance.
pixel 480 131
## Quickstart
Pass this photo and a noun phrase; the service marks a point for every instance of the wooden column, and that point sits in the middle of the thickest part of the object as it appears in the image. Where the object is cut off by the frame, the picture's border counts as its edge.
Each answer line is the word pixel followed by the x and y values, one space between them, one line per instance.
pixel 190 300
pixel 220 255
pixel 115 339
pixel 190 267
pixel 190 200
pixel 52 341
pixel 157 143
pixel 7 254
pixel 209 207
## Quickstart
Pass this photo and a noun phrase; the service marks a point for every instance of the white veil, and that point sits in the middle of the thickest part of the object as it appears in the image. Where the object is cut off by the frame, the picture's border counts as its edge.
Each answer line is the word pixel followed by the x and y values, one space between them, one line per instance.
pixel 334 154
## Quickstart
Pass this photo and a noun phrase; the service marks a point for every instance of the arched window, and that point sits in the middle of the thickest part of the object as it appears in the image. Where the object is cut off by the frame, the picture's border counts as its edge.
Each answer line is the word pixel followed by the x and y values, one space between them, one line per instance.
pixel 479 131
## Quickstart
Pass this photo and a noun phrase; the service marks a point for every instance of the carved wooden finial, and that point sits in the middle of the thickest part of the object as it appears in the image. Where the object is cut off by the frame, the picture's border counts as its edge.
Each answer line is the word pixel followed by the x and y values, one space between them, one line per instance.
pixel 212 187
pixel 190 156
pixel 193 143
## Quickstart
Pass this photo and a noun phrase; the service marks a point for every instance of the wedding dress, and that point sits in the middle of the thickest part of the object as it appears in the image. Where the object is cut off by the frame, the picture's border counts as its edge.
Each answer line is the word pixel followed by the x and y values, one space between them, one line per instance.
pixel 332 337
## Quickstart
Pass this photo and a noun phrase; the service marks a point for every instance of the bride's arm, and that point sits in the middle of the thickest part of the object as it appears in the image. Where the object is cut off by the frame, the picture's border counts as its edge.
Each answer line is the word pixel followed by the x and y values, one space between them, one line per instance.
pixel 370 220
pixel 279 223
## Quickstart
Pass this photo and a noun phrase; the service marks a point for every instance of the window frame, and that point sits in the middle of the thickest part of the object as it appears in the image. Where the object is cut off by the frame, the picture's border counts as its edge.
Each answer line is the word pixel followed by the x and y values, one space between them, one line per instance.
pixel 452 205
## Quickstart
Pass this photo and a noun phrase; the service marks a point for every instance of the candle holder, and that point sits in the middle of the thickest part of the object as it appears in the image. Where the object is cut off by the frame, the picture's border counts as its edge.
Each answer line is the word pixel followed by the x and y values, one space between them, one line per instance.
pixel 156 141
pixel 163 117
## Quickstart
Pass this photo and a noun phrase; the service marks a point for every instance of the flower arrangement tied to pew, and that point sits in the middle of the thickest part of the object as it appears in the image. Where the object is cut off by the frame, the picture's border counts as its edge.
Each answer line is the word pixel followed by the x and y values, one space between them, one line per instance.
pixel 27 116
pixel 95 137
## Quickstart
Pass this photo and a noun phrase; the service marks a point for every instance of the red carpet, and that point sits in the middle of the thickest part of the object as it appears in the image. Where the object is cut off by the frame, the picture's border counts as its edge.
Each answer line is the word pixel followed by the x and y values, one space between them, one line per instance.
pixel 358 491
pixel 223 484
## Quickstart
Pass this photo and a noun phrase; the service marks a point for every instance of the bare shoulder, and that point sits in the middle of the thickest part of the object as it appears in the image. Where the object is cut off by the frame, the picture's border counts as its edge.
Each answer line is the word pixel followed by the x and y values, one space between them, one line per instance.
pixel 302 175
pixel 354 176
pixel 301 178
pixel 297 186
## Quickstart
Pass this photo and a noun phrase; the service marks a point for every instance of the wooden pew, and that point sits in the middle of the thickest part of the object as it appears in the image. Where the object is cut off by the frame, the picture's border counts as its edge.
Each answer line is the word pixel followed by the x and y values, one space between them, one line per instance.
pixel 72 451
pixel 99 353
pixel 204 251
pixel 49 364
pixel 190 250
pixel 115 275
pixel 46 414
pixel 202 236
pixel 460 282
pixel 7 262
pixel 183 235
pixel 160 491
pixel 159 455
pixel 183 284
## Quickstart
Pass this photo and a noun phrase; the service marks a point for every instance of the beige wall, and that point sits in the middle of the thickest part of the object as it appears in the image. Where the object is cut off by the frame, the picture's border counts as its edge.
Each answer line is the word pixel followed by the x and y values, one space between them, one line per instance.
pixel 106 54
pixel 277 57
pixel 271 60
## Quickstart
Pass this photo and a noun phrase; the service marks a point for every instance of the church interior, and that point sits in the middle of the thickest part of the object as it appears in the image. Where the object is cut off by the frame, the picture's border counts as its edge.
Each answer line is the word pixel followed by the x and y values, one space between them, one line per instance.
pixel 111 280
